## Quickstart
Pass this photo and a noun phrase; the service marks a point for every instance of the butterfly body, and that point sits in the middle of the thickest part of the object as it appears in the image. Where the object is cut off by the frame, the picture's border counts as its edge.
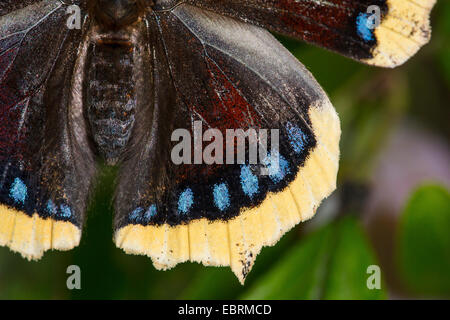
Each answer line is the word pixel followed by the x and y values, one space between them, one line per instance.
pixel 110 97
pixel 134 73
pixel 117 14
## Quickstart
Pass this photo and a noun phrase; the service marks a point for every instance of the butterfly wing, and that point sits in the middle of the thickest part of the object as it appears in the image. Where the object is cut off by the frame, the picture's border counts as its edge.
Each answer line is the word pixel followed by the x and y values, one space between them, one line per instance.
pixel 378 32
pixel 7 6
pixel 45 163
pixel 225 74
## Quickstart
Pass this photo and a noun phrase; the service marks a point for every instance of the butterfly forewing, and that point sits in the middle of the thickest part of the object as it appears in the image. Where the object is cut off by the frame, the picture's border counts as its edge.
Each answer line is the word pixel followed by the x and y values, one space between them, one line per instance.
pixel 380 32
pixel 45 166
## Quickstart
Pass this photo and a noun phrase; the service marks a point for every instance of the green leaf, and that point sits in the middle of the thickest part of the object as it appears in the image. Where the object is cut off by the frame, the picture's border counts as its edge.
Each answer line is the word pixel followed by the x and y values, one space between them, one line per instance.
pixel 424 242
pixel 212 283
pixel 330 263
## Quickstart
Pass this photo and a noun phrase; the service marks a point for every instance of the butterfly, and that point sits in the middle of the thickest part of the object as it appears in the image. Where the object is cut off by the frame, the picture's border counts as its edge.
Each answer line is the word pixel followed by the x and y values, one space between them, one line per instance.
pixel 83 80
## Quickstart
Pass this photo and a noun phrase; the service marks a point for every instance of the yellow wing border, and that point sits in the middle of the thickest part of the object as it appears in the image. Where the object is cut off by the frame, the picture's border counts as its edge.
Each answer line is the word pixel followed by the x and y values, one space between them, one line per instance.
pixel 32 235
pixel 238 241
pixel 402 32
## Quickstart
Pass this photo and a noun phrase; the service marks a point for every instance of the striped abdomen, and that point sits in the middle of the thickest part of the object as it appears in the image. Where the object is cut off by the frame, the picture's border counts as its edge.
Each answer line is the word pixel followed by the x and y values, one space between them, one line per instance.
pixel 111 103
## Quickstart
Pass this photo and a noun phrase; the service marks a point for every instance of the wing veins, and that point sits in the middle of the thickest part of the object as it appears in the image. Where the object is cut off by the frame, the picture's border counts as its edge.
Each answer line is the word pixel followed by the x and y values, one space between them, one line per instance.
pixel 251 69
pixel 305 18
pixel 33 26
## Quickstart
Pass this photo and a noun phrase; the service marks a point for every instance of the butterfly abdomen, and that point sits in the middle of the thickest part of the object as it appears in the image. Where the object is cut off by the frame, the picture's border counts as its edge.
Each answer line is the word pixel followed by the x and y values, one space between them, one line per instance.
pixel 111 100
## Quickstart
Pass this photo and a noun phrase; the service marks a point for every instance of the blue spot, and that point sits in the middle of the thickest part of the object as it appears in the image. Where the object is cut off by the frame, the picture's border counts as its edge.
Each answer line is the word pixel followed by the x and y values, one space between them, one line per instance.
pixel 249 181
pixel 185 201
pixel 296 137
pixel 65 211
pixel 362 27
pixel 18 191
pixel 276 172
pixel 221 196
pixel 150 213
pixel 136 215
pixel 51 207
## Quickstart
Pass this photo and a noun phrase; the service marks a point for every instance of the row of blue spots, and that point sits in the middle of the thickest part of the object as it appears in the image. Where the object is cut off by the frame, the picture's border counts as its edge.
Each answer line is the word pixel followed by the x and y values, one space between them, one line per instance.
pixel 363 27
pixel 297 138
pixel 221 196
pixel 249 181
pixel 185 201
pixel 64 210
pixel 141 216
pixel 276 172
pixel 249 184
pixel 18 191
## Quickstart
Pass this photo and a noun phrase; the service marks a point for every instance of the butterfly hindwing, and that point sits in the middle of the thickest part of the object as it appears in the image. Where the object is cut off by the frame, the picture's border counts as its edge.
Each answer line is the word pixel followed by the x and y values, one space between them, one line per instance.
pixel 45 164
pixel 379 32
pixel 231 75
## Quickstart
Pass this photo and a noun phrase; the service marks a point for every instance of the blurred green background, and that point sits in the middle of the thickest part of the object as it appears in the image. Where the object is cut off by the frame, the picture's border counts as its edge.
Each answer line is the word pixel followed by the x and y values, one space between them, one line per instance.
pixel 391 208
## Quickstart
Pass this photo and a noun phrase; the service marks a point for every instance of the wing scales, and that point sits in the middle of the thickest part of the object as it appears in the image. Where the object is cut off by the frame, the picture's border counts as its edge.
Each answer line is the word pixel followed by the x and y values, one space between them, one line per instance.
pixel 45 174
pixel 231 75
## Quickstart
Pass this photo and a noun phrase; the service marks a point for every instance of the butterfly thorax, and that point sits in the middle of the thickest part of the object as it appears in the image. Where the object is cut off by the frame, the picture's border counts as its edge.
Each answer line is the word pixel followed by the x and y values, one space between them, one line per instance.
pixel 117 14
pixel 111 103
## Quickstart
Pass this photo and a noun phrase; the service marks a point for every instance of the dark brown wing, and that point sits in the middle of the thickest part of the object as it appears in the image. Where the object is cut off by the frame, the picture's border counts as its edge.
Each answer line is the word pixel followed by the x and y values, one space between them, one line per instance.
pixel 226 74
pixel 45 163
pixel 379 32
pixel 7 6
